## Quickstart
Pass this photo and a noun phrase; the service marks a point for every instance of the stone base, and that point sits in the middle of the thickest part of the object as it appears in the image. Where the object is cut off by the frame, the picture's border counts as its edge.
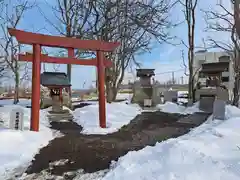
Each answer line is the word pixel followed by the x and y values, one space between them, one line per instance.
pixel 141 93
pixel 171 96
pixel 63 115
pixel 206 103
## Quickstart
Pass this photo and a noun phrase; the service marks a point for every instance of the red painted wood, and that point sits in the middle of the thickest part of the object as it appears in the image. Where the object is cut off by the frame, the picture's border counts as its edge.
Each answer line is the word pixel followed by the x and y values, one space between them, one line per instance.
pixel 38 40
pixel 101 90
pixel 63 60
pixel 36 70
pixel 70 55
pixel 24 37
pixel 60 95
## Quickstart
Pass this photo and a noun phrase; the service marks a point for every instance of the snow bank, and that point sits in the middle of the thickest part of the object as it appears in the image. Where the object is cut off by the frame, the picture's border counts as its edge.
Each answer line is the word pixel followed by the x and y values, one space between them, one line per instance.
pixel 211 151
pixel 127 96
pixel 118 115
pixel 22 102
pixel 170 107
pixel 19 147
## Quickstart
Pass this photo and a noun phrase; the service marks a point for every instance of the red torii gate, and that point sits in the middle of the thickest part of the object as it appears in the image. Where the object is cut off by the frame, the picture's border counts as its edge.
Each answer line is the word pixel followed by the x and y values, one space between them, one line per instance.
pixel 38 40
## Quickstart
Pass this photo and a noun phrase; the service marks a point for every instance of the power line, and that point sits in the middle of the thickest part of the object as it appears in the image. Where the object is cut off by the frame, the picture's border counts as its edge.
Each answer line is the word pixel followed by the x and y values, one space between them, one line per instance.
pixel 167 72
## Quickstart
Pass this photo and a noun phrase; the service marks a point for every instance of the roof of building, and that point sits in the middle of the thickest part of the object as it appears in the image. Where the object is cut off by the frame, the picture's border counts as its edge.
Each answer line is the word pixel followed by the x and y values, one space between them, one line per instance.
pixel 55 79
pixel 217 67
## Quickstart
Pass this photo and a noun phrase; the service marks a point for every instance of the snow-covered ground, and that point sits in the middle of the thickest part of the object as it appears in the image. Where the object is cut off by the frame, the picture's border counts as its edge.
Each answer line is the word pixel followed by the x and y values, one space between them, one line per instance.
pixel 19 147
pixel 22 102
pixel 120 96
pixel 211 151
pixel 126 96
pixel 118 115
pixel 170 107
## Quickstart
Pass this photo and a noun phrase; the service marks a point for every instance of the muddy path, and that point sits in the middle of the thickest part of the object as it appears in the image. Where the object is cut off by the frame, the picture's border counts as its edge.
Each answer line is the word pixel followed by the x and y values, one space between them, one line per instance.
pixel 95 152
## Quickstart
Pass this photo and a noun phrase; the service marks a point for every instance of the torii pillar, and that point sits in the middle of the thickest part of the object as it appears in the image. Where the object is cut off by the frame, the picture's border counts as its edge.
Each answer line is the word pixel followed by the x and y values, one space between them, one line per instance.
pixel 38 40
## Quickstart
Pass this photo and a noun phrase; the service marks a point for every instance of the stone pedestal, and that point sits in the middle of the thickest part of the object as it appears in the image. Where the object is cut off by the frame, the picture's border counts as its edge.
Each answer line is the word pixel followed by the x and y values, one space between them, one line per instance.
pixel 147 103
pixel 156 96
pixel 219 108
pixel 206 103
pixel 218 92
pixel 62 116
pixel 171 96
pixel 140 93
pixel 190 102
pixel 207 97
pixel 56 104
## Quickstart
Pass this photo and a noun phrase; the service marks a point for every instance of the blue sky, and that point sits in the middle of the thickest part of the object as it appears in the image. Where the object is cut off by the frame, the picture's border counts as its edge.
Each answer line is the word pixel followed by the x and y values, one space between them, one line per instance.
pixel 163 58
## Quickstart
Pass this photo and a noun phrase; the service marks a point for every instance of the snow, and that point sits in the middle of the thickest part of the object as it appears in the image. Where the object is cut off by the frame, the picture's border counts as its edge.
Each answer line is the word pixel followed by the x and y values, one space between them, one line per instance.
pixel 127 96
pixel 170 107
pixel 118 115
pixel 120 96
pixel 22 102
pixel 211 151
pixel 19 147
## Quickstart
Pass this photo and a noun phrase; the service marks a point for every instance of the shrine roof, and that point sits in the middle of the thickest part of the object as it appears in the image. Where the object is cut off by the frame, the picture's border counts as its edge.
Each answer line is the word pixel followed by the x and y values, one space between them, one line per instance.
pixel 58 79
pixel 145 72
pixel 216 67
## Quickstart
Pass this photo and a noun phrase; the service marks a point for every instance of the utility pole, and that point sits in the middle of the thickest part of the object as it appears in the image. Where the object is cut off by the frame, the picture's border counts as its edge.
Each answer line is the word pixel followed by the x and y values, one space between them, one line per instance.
pixel 182 79
pixel 173 79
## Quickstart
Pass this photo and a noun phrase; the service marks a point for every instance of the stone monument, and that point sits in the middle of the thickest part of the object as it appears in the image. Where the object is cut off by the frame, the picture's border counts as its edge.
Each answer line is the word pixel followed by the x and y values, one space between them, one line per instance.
pixel 171 96
pixel 16 119
pixel 143 89
pixel 219 108
pixel 212 90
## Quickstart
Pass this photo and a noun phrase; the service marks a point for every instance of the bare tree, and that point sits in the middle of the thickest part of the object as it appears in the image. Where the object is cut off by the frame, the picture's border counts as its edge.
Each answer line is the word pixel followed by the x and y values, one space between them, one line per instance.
pixel 222 20
pixel 11 15
pixel 189 9
pixel 72 19
pixel 74 16
pixel 3 65
pixel 136 25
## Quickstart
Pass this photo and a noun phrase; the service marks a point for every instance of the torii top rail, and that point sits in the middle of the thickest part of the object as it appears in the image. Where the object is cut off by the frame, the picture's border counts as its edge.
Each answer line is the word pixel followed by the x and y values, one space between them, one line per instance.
pixel 39 40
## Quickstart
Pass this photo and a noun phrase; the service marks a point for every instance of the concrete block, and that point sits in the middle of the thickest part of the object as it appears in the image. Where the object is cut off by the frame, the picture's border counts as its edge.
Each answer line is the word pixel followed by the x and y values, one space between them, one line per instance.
pixel 219 108
pixel 171 96
pixel 206 103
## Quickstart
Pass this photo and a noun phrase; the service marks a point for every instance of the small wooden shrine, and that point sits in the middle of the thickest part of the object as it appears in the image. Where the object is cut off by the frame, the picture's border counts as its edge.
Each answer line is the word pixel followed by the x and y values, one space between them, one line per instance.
pixel 56 82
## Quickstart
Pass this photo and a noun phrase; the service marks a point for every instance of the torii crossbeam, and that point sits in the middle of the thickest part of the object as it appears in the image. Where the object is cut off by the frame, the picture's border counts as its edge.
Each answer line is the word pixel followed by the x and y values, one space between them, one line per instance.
pixel 39 40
